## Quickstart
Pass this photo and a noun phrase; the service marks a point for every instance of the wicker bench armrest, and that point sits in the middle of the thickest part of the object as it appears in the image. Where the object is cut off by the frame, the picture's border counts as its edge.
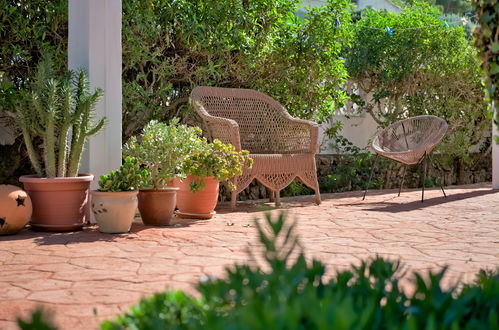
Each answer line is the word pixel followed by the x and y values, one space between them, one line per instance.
pixel 297 127
pixel 224 129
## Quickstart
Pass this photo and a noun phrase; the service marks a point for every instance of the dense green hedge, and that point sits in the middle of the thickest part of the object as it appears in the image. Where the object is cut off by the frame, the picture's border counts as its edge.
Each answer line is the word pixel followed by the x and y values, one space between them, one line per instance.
pixel 171 46
pixel 414 63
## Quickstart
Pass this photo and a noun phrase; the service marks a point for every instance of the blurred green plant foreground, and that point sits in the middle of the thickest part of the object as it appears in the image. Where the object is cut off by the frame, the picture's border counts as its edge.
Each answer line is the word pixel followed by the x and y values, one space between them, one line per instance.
pixel 293 294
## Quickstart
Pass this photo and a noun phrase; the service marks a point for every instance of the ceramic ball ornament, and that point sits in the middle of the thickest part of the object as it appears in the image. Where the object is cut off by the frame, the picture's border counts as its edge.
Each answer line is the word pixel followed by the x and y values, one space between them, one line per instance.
pixel 15 209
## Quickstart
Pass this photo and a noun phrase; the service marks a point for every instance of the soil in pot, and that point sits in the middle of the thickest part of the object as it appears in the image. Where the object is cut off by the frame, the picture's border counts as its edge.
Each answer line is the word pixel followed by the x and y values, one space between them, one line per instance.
pixel 59 204
pixel 198 205
pixel 156 206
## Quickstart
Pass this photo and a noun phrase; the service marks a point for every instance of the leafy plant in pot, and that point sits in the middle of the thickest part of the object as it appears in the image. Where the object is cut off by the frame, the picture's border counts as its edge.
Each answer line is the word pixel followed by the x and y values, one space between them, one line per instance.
pixel 58 111
pixel 161 148
pixel 207 166
pixel 115 203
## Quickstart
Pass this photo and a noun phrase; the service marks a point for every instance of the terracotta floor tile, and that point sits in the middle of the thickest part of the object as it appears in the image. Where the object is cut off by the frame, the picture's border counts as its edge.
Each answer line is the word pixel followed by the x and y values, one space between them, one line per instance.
pixel 85 277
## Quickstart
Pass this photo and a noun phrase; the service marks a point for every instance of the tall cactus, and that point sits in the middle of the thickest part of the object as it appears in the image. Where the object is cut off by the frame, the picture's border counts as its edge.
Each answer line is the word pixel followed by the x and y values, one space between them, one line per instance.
pixel 83 115
pixel 52 109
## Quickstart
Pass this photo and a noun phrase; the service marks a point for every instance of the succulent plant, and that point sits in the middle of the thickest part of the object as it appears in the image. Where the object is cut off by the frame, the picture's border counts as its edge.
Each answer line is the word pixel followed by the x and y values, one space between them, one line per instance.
pixel 128 177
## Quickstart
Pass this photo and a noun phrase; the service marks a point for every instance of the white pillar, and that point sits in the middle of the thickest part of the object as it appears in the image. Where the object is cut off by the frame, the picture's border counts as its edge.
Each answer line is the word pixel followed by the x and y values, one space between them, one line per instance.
pixel 95 44
pixel 495 152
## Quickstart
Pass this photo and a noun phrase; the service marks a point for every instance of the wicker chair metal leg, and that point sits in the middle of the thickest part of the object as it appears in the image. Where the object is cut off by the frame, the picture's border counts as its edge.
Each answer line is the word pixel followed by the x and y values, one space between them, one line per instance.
pixel 403 177
pixel 371 175
pixel 425 168
pixel 441 186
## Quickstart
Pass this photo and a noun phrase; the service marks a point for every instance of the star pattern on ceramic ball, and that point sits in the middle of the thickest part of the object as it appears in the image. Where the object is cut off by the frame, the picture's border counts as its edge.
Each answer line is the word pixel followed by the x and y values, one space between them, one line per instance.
pixel 20 200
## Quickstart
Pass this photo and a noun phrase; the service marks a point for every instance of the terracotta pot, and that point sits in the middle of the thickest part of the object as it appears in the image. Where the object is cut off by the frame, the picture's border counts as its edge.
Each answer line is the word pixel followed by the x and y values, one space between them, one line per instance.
pixel 156 206
pixel 59 204
pixel 202 203
pixel 15 209
pixel 114 211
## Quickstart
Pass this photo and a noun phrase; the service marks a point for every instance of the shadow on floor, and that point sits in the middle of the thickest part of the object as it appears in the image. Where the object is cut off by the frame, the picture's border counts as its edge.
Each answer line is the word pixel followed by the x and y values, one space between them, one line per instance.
pixel 393 207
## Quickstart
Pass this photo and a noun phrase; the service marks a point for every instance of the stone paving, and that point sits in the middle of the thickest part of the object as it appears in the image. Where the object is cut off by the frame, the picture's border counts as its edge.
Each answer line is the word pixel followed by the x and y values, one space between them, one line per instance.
pixel 86 277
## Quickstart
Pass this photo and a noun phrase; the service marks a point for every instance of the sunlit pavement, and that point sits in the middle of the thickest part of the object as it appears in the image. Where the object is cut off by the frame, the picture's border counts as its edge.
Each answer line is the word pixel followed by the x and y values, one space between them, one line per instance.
pixel 86 277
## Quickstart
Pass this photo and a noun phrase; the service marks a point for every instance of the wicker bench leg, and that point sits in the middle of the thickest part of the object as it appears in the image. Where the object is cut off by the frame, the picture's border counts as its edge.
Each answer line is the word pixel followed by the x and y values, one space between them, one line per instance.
pixel 317 196
pixel 233 200
pixel 271 196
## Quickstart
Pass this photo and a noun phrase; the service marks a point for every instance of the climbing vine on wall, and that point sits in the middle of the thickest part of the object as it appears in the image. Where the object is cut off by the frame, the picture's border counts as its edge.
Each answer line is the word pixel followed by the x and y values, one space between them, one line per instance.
pixel 486 36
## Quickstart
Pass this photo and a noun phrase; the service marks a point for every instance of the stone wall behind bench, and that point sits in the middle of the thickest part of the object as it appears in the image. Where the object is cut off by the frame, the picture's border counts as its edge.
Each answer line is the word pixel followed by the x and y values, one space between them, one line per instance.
pixel 456 173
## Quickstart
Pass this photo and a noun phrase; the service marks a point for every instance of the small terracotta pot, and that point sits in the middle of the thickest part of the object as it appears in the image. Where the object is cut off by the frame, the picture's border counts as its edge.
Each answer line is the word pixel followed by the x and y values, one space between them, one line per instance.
pixel 59 204
pixel 114 211
pixel 15 209
pixel 202 203
pixel 156 206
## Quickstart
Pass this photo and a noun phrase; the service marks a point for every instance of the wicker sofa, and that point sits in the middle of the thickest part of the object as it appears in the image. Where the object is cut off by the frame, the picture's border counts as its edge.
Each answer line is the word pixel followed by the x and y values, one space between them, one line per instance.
pixel 282 147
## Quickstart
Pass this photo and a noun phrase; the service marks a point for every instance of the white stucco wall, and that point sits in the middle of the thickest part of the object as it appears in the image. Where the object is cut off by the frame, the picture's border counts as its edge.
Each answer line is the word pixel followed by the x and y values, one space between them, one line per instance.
pixel 358 130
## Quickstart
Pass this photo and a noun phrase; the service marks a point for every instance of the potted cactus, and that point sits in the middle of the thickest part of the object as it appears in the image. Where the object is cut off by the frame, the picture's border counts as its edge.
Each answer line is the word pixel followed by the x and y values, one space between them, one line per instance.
pixel 207 166
pixel 115 203
pixel 161 148
pixel 57 111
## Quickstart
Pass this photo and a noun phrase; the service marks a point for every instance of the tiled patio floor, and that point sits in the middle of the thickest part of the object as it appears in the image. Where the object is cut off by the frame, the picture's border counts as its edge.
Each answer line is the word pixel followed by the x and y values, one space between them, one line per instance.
pixel 86 277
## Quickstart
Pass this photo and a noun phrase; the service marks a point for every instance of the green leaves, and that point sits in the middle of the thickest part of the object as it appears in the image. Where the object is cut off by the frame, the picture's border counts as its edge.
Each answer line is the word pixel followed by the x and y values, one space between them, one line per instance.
pixel 423 68
pixel 130 176
pixel 162 148
pixel 215 159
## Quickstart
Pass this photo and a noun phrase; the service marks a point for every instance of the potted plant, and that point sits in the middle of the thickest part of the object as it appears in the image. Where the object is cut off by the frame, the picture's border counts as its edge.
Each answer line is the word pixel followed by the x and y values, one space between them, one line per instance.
pixel 54 107
pixel 115 203
pixel 207 166
pixel 161 148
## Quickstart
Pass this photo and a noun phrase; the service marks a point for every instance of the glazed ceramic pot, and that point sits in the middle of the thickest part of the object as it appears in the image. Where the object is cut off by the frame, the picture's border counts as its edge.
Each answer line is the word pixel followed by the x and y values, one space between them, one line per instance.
pixel 202 203
pixel 59 204
pixel 156 206
pixel 114 211
pixel 15 209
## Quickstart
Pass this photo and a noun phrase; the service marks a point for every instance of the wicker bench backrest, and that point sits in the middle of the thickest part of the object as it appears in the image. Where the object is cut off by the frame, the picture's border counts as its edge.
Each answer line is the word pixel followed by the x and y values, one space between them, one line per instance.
pixel 263 122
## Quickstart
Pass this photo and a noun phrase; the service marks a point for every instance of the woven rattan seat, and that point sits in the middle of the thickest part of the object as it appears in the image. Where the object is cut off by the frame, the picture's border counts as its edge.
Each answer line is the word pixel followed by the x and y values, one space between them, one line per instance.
pixel 282 147
pixel 409 141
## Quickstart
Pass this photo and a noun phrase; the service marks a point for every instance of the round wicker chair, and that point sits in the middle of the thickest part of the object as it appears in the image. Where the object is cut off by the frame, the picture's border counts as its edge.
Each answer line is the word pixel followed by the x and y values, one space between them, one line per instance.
pixel 410 142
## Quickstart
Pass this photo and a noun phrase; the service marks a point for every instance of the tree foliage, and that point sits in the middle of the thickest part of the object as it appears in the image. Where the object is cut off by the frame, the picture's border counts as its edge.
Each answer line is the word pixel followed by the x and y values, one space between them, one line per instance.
pixel 170 47
pixel 421 66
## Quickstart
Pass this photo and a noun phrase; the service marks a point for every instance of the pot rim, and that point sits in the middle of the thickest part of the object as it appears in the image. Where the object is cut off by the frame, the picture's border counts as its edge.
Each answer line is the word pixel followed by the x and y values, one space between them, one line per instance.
pixel 114 193
pixel 33 178
pixel 165 189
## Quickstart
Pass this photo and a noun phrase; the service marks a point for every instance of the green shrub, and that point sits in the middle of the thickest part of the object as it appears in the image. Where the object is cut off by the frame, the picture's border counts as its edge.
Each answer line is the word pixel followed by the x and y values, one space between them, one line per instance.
pixel 166 310
pixel 162 147
pixel 422 66
pixel 293 294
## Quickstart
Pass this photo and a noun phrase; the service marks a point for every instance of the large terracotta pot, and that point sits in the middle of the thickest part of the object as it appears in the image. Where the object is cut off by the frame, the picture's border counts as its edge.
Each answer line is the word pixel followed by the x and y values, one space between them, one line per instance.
pixel 15 209
pixel 156 206
pixel 198 205
pixel 114 211
pixel 59 204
